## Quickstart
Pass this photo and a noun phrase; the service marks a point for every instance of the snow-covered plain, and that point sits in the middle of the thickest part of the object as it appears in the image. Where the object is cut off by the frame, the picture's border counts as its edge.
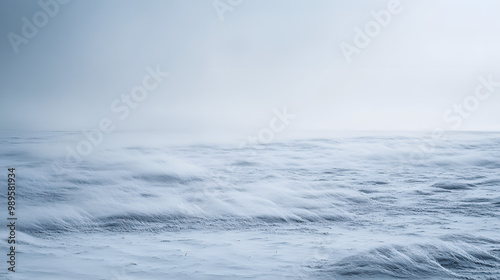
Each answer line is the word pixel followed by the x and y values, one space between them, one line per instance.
pixel 341 207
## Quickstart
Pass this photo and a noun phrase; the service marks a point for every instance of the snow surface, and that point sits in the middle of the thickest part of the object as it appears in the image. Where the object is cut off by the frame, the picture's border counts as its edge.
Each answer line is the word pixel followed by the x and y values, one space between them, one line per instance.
pixel 343 207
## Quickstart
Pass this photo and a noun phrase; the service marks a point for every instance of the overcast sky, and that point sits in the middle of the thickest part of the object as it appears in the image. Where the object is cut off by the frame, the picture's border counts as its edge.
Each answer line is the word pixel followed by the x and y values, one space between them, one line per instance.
pixel 229 75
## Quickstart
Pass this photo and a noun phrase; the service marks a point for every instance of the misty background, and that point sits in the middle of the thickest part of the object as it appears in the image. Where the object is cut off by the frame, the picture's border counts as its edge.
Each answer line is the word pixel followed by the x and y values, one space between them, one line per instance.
pixel 228 75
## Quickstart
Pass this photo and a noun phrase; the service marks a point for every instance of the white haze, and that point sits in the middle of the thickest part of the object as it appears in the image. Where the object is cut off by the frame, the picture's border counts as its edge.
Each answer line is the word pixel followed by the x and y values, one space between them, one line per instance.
pixel 227 76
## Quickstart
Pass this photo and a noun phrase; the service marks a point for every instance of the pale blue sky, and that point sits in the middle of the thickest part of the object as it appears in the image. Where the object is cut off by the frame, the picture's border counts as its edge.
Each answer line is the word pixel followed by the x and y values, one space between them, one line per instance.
pixel 229 75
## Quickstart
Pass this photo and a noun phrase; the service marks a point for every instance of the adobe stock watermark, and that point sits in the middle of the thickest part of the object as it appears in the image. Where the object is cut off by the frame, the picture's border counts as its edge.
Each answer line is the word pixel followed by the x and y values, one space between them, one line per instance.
pixel 122 274
pixel 266 134
pixel 121 107
pixel 321 254
pixel 456 116
pixel 31 27
pixel 372 29
pixel 223 6
pixel 277 124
